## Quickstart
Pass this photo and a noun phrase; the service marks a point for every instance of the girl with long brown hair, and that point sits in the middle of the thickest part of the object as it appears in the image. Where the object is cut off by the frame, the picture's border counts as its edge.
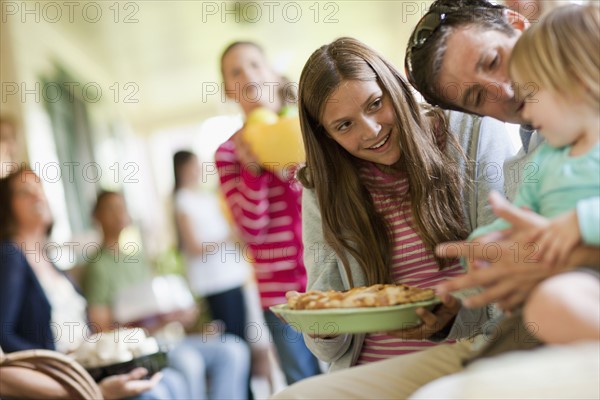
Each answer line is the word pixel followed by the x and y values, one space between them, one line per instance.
pixel 385 182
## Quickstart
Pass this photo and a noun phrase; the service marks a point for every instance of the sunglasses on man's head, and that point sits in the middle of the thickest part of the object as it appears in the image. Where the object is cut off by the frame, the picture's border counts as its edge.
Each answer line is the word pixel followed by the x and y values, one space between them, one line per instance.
pixel 423 31
pixel 428 25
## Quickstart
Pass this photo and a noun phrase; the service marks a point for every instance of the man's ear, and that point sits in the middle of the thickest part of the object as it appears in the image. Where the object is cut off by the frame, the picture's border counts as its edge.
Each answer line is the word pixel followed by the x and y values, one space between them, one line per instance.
pixel 518 21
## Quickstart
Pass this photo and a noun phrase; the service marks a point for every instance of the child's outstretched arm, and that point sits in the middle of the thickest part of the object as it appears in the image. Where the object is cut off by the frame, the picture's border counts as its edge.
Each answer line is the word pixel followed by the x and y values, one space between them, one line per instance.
pixel 556 238
pixel 512 271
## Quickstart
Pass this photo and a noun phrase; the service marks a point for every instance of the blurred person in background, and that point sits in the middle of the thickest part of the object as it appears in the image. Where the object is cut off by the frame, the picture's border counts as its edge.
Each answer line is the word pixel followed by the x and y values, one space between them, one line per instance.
pixel 215 268
pixel 221 361
pixel 36 298
pixel 265 205
pixel 8 146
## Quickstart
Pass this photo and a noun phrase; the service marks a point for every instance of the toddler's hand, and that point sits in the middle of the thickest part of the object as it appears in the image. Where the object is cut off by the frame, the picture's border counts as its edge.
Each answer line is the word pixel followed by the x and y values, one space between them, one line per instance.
pixel 558 239
pixel 554 239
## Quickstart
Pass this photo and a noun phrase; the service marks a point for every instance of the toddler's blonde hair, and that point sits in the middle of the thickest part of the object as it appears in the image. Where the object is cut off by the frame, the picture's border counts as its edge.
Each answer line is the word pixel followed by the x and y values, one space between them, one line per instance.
pixel 562 53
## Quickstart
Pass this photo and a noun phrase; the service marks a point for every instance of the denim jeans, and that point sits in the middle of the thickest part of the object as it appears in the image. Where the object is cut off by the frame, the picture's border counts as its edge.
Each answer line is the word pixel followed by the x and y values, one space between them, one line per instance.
pixel 222 360
pixel 171 386
pixel 297 362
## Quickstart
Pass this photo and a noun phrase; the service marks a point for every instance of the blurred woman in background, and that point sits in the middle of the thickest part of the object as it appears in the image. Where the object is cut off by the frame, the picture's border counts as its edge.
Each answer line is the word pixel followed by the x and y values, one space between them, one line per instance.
pixel 215 268
pixel 265 205
pixel 40 307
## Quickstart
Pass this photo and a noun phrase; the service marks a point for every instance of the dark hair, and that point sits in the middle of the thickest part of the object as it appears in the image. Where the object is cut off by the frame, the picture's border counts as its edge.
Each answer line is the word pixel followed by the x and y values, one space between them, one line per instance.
pixel 424 62
pixel 8 224
pixel 8 120
pixel 180 158
pixel 287 91
pixel 103 195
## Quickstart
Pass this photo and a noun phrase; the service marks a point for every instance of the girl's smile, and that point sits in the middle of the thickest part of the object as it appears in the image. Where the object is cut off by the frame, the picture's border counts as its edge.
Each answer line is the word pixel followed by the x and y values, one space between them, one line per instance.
pixel 360 117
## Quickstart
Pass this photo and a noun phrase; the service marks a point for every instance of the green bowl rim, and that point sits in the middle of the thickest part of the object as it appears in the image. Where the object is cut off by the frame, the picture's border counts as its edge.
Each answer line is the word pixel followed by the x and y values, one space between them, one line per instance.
pixel 283 308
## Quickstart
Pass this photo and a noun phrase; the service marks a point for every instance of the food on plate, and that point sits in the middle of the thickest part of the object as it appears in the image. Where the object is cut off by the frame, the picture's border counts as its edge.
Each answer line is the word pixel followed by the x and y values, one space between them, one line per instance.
pixel 119 352
pixel 115 347
pixel 370 296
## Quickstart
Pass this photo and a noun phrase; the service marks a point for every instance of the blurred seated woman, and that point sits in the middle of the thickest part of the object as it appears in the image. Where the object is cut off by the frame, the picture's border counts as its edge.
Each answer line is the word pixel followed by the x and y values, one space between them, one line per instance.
pixel 40 308
pixel 33 382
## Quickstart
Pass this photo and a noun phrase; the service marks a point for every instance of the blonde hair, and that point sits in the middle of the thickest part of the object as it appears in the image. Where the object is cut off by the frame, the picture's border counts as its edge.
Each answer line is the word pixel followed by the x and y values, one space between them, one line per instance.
pixel 562 53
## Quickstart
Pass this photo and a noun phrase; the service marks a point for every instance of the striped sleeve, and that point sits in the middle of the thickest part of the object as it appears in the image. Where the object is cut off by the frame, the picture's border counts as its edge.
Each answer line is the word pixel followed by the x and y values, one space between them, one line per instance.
pixel 246 194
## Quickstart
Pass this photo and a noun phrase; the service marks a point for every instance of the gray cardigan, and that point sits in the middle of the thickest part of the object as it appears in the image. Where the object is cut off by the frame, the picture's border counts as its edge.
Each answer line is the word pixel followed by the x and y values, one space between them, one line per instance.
pixel 486 144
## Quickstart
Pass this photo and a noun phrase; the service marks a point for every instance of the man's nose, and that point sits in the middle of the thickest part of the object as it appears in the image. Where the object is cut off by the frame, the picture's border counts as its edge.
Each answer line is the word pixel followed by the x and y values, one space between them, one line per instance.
pixel 500 91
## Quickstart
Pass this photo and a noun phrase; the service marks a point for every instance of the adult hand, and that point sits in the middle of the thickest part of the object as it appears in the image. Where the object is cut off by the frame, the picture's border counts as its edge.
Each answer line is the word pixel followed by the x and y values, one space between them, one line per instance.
pixel 432 322
pixel 554 239
pixel 245 155
pixel 187 316
pixel 507 285
pixel 504 263
pixel 128 385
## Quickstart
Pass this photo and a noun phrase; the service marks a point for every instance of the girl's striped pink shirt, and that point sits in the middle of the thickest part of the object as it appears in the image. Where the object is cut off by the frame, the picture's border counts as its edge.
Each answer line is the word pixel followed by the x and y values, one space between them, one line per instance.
pixel 412 263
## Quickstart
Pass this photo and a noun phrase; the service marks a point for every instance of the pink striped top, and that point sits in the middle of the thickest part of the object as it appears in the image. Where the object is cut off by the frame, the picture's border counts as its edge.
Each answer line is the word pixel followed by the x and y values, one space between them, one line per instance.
pixel 412 264
pixel 266 210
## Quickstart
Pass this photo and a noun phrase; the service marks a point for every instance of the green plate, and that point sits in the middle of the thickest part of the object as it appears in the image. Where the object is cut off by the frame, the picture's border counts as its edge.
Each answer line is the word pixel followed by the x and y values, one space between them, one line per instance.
pixel 333 321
